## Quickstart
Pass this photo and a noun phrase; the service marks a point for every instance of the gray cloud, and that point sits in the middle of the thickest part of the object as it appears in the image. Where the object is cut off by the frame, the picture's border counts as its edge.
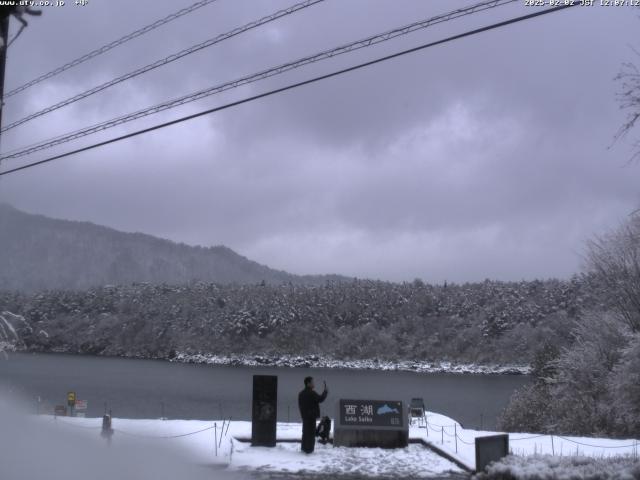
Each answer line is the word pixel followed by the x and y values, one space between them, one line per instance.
pixel 486 157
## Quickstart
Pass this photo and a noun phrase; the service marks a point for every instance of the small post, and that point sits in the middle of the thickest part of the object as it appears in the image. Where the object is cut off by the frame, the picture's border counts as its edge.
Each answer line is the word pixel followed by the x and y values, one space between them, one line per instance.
pixel 215 438
pixel 553 450
pixel 455 433
pixel 228 424
pixel 442 435
pixel 426 423
pixel 107 429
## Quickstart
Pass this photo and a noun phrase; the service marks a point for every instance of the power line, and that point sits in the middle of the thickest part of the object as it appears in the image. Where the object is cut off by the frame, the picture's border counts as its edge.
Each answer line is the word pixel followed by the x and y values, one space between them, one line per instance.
pixel 15 37
pixel 365 42
pixel 110 46
pixel 270 72
pixel 294 85
pixel 164 61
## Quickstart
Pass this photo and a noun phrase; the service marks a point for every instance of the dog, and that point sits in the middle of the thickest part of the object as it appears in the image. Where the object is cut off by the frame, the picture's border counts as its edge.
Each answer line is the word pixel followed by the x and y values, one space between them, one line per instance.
pixel 323 430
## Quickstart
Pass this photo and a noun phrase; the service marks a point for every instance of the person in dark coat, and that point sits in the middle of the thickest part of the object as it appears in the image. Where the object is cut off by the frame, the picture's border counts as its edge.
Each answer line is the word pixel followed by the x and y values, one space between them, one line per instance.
pixel 309 403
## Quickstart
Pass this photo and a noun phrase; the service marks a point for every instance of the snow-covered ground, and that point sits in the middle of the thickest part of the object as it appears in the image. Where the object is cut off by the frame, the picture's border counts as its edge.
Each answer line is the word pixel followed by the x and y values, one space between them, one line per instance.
pixel 543 467
pixel 416 461
pixel 448 435
pixel 315 361
pixel 197 439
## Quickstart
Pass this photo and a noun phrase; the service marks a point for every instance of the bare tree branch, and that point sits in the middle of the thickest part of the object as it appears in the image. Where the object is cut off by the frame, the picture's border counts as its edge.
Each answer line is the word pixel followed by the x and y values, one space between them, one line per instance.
pixel 629 100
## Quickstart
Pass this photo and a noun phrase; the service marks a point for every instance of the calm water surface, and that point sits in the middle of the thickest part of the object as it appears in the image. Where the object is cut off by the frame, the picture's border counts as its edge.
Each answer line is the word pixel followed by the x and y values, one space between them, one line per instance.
pixel 145 388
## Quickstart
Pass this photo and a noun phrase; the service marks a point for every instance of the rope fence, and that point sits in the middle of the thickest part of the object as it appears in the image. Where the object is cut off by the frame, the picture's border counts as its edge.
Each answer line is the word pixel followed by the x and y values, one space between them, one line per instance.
pixel 525 438
pixel 163 436
pixel 88 427
pixel 217 441
pixel 464 441
pixel 442 430
pixel 633 445
pixel 222 432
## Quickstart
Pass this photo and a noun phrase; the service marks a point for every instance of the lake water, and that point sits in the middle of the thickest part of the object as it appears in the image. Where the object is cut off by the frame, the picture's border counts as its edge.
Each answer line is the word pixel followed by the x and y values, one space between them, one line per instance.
pixel 147 388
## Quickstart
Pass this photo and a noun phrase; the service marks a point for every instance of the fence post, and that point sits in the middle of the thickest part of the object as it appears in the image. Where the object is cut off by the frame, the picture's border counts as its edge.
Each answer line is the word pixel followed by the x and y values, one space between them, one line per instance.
pixel 553 450
pixel 221 433
pixel 455 433
pixel 228 423
pixel 215 437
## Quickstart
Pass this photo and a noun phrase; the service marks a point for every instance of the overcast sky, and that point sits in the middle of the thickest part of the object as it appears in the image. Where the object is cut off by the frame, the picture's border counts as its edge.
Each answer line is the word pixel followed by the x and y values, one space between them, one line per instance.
pixel 483 158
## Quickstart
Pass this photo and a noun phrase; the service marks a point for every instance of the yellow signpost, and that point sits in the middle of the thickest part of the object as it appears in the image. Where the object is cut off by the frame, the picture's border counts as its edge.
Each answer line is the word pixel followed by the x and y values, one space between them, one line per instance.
pixel 71 398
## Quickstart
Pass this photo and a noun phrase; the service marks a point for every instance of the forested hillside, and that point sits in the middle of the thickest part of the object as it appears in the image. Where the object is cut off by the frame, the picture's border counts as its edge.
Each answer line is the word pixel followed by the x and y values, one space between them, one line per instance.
pixel 41 253
pixel 486 323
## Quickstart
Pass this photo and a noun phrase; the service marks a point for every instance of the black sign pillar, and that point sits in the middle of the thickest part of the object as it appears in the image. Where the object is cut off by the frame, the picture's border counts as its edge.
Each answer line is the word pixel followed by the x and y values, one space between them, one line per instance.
pixel 490 449
pixel 264 411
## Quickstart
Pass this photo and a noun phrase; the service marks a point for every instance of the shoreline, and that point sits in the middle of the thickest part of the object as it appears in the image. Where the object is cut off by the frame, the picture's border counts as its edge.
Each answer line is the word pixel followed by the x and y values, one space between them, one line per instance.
pixel 317 361
pixel 310 361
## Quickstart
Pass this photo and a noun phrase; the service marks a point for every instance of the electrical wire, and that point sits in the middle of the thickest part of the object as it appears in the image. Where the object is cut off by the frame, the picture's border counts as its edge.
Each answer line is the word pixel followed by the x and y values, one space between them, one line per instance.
pixel 15 37
pixel 326 54
pixel 109 46
pixel 163 61
pixel 293 86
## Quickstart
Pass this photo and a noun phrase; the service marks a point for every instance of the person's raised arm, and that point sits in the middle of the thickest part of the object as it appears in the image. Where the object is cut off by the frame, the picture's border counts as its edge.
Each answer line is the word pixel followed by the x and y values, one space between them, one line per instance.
pixel 325 392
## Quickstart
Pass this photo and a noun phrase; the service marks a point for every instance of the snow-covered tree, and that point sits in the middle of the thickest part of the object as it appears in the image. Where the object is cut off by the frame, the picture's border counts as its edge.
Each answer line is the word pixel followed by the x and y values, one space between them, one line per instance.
pixel 615 259
pixel 10 327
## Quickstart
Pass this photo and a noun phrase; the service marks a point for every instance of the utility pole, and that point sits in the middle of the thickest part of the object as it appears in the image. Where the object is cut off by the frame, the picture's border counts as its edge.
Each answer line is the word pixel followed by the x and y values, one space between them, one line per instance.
pixel 4 32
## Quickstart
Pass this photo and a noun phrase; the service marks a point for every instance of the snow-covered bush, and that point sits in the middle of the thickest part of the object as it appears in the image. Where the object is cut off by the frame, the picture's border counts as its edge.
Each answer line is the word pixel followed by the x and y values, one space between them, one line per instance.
pixel 527 410
pixel 581 400
pixel 591 388
pixel 547 467
pixel 625 387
